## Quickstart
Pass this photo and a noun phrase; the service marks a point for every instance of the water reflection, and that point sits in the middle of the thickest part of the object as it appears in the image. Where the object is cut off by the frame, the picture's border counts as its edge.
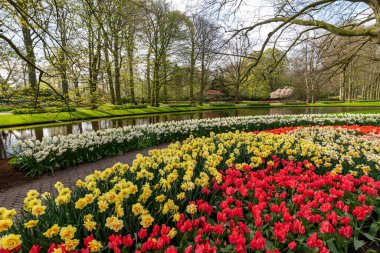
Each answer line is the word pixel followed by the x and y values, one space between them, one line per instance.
pixel 8 138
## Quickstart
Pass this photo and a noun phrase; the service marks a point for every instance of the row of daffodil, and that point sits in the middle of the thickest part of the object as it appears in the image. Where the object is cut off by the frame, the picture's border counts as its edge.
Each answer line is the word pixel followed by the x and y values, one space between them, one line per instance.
pixel 157 188
pixel 37 157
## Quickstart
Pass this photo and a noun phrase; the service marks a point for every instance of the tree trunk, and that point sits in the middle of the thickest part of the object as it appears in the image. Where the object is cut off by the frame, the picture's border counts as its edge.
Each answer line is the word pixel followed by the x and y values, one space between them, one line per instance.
pixel 306 76
pixel 343 87
pixel 165 80
pixel 203 78
pixel 117 67
pixel 109 71
pixel 61 22
pixel 156 82
pixel 130 51
pixel 149 95
pixel 237 91
pixel 349 88
pixel 30 55
pixel 192 70
pixel 76 87
pixel 94 60
pixel 64 78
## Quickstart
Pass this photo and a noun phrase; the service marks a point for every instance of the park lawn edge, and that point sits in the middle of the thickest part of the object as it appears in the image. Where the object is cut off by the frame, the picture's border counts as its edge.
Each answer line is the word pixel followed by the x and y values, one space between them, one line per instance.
pixel 22 121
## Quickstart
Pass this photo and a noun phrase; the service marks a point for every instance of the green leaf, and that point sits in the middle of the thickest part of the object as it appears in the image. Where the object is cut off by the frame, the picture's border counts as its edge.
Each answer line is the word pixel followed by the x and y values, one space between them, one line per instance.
pixel 269 244
pixel 373 229
pixel 12 161
pixel 331 246
pixel 371 251
pixel 228 249
pixel 370 237
pixel 358 243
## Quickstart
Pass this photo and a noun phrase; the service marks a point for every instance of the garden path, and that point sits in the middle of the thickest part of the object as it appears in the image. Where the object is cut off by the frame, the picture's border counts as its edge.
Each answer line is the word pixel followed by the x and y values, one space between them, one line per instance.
pixel 14 197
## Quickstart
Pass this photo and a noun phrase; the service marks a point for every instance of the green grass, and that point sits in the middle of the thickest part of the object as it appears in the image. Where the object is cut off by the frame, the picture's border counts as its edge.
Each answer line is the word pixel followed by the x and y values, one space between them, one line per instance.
pixel 12 121
pixel 8 121
pixel 352 104
pixel 367 111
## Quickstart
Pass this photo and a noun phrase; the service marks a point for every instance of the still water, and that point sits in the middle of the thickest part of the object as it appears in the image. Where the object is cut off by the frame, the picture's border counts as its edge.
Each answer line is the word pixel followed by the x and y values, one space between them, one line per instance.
pixel 10 137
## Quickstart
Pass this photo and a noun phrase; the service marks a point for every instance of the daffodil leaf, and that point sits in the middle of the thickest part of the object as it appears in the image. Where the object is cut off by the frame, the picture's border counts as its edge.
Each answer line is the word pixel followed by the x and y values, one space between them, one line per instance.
pixel 331 245
pixel 370 237
pixel 358 243
pixel 373 229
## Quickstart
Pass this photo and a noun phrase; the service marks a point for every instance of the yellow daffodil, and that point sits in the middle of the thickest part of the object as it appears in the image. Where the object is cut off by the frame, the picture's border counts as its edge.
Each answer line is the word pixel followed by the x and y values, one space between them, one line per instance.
pixel 31 224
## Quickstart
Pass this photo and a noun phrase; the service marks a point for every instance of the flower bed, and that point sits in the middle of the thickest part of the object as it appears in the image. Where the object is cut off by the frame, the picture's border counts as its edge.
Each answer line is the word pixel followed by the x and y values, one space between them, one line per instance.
pixel 38 157
pixel 312 189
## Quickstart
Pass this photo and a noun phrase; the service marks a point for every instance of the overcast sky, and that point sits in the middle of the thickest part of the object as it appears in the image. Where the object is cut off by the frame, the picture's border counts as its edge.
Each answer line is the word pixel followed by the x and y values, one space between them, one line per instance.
pixel 250 11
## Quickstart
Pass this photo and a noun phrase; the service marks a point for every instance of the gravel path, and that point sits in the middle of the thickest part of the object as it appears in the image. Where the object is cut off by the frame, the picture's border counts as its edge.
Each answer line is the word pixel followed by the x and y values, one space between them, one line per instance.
pixel 14 197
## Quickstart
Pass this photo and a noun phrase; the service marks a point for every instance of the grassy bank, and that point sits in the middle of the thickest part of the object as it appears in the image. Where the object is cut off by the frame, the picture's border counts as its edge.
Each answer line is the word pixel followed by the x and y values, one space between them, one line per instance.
pixel 8 120
pixel 367 111
pixel 11 121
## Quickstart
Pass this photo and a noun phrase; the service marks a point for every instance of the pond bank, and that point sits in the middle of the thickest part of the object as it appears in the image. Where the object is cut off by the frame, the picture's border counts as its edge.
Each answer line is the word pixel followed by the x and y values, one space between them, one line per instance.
pixel 19 121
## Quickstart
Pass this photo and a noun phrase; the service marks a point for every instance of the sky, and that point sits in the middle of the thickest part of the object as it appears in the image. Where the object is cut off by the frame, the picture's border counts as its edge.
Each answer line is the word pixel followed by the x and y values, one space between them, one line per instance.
pixel 250 11
pixel 254 10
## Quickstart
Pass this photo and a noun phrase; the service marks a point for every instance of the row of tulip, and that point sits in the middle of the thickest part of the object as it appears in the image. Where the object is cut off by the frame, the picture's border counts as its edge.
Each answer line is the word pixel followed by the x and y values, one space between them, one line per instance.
pixel 36 157
pixel 284 190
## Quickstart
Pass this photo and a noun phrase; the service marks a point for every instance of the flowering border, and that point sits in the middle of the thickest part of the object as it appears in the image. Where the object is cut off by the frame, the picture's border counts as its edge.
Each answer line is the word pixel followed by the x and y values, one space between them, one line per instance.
pixel 52 153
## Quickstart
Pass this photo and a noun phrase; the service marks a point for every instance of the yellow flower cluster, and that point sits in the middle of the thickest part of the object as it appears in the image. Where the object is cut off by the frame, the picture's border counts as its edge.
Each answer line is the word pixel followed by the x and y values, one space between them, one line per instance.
pixel 191 209
pixel 114 223
pixel 54 230
pixel 158 186
pixel 89 223
pixel 6 218
pixel 32 203
pixel 64 194
pixel 10 242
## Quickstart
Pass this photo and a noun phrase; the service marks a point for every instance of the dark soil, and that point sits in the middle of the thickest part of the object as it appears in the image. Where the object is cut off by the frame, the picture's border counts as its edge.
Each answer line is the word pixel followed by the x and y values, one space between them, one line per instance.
pixel 10 177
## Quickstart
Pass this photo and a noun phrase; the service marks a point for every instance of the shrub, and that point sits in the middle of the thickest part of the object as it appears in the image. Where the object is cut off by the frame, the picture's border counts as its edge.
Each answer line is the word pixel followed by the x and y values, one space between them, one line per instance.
pixel 43 110
pixel 179 105
pixel 126 107
pixel 295 103
pixel 258 104
pixel 123 107
pixel 6 109
pixel 331 102
pixel 222 104
pixel 370 100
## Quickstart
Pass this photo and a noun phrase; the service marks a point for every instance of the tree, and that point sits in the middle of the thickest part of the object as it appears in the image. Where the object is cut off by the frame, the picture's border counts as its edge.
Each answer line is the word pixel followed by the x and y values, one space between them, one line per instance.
pixel 269 71
pixel 94 47
pixel 293 19
pixel 28 39
pixel 161 29
pixel 208 44
pixel 236 64
pixel 192 52
pixel 27 14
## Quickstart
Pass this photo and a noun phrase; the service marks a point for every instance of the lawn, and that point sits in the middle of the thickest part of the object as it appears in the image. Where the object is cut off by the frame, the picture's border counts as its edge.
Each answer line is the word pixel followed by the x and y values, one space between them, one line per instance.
pixel 9 120
pixel 368 111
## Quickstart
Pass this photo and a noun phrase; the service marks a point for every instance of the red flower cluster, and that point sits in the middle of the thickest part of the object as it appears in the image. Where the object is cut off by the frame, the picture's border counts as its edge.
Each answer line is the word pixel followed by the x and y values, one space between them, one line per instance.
pixel 281 130
pixel 356 128
pixel 12 250
pixel 272 209
pixel 362 129
pixel 158 239
pixel 285 206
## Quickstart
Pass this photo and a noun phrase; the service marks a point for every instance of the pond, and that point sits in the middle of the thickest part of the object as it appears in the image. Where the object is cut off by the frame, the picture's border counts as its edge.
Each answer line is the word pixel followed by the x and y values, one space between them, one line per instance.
pixel 10 137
